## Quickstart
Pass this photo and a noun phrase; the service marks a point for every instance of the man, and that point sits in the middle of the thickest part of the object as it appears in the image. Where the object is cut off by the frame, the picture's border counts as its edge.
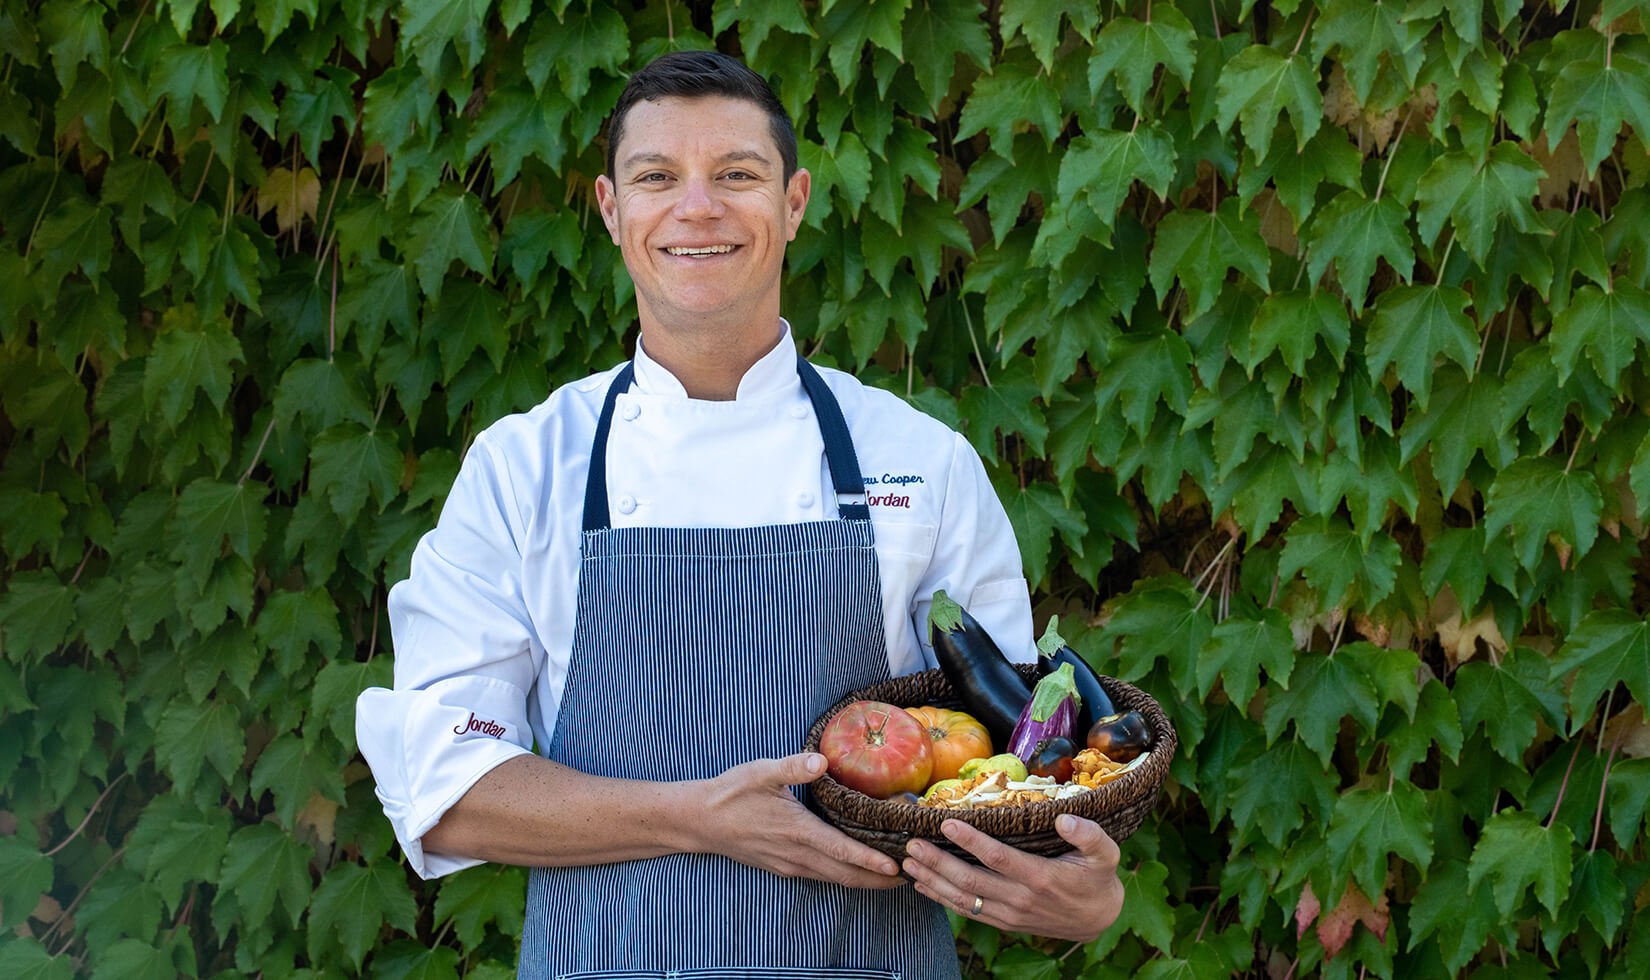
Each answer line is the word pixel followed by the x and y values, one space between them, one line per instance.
pixel 663 574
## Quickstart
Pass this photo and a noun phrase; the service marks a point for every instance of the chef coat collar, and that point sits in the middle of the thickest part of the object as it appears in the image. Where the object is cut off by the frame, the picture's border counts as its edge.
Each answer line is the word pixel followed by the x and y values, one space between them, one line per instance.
pixel 773 372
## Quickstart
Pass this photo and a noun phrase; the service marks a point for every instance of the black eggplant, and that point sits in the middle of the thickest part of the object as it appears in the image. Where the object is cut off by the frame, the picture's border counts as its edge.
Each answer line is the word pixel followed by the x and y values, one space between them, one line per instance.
pixel 1055 651
pixel 989 685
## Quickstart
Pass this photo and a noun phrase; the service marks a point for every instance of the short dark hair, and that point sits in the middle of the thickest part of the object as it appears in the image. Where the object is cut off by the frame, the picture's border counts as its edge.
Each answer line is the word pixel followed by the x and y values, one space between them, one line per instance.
pixel 701 74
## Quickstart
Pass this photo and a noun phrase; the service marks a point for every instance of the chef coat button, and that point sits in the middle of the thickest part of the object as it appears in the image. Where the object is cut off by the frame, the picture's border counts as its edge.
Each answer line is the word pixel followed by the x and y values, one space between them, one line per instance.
pixel 799 411
pixel 804 499
pixel 630 411
pixel 626 504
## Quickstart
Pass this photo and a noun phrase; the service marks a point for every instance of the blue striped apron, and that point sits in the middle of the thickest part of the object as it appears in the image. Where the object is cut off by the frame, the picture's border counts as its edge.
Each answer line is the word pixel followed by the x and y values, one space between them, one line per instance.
pixel 694 650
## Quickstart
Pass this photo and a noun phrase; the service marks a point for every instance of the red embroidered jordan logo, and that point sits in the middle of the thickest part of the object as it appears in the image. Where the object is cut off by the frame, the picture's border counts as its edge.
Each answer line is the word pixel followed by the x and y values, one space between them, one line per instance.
pixel 485 727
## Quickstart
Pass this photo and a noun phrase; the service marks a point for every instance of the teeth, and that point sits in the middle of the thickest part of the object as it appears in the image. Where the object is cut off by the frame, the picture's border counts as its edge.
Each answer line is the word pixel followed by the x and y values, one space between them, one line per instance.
pixel 707 250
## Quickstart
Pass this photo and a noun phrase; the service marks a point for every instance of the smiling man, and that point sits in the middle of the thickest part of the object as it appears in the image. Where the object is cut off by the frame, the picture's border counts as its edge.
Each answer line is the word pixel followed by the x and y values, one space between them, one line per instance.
pixel 641 593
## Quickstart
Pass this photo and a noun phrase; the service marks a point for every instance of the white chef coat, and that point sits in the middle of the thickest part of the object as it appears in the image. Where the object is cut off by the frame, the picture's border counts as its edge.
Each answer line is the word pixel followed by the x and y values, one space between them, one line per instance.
pixel 483 625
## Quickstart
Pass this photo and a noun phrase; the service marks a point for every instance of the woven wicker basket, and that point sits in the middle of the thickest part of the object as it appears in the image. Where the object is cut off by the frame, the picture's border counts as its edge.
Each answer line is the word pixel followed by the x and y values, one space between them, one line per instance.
pixel 1118 806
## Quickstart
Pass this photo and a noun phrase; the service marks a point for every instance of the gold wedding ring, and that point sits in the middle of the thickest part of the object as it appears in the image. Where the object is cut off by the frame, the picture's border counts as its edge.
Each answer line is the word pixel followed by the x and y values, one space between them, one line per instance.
pixel 979 903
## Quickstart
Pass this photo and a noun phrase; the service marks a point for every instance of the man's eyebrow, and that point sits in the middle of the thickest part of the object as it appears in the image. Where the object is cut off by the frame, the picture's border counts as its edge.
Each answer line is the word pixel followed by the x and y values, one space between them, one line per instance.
pixel 647 158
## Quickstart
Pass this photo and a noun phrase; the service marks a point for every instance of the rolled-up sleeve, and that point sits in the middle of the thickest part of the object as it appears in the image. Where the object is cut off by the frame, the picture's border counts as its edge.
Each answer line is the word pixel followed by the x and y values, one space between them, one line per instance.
pixel 466 657
pixel 977 561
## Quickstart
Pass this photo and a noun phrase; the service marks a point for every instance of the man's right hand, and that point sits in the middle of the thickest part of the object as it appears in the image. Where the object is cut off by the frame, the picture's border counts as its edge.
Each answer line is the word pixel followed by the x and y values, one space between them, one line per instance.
pixel 750 815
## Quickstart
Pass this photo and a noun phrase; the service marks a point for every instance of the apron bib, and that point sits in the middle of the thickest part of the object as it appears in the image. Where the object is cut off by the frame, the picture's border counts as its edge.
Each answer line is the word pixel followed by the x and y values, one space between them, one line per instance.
pixel 694 650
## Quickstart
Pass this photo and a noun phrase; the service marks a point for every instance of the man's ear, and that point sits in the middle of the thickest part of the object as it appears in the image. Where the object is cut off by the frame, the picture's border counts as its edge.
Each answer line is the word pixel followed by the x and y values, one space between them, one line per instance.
pixel 796 201
pixel 607 202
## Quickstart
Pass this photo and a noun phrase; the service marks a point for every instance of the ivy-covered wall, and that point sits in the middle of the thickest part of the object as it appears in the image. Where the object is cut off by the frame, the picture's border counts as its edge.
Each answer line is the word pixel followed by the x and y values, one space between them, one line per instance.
pixel 1304 340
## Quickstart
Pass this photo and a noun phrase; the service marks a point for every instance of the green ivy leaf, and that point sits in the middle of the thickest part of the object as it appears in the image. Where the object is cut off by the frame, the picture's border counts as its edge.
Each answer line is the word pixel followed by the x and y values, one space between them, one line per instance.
pixel 1132 50
pixel 332 702
pixel 1598 87
pixel 352 906
pixel 1015 93
pixel 1293 324
pixel 1477 194
pixel 1610 647
pixel 1297 173
pixel 291 622
pixel 936 32
pixel 1409 740
pixel 575 48
pixel 449 225
pixel 1336 562
pixel 1279 791
pixel 516 124
pixel 1606 323
pixel 192 734
pixel 1371 36
pixel 1459 422
pixel 26 959
pixel 312 114
pixel 1415 325
pixel 75 235
pixel 25 874
pixel 37 611
pixel 1009 407
pixel 187 72
pixel 1370 826
pixel 74 35
pixel 1628 793
pixel 1141 371
pixel 211 512
pixel 1462 917
pixel 175 843
pixel 1102 166
pixel 1200 247
pixel 262 864
pixel 478 898
pixel 189 356
pixel 1159 618
pixel 349 461
pixel 1239 648
pixel 1259 86
pixel 137 186
pixel 1597 895
pixel 1355 233
pixel 1037 512
pixel 1516 853
pixel 1322 692
pixel 292 769
pixel 405 959
pixel 1147 915
pixel 1540 499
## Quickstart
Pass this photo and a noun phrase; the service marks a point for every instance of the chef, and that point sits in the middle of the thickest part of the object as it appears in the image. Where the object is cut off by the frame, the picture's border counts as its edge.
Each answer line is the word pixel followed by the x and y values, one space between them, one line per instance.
pixel 641 593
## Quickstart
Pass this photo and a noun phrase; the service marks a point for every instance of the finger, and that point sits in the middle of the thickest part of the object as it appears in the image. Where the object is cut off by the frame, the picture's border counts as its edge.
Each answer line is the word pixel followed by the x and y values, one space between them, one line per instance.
pixel 846 851
pixel 992 852
pixel 795 770
pixel 1089 838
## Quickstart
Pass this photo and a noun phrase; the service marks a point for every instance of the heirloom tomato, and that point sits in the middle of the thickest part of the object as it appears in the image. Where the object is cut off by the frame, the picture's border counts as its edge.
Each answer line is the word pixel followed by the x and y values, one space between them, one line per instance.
pixel 957 736
pixel 877 749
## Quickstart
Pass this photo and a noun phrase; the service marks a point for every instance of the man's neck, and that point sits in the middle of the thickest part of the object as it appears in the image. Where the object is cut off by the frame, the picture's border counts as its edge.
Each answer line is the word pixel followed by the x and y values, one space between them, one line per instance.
pixel 709 363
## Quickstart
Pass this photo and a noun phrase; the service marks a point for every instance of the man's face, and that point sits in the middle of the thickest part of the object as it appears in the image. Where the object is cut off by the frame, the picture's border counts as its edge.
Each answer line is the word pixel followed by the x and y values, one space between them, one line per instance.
pixel 700 209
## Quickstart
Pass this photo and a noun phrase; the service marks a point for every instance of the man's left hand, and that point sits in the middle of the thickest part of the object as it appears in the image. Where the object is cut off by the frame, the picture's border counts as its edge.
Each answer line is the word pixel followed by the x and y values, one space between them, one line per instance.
pixel 1073 896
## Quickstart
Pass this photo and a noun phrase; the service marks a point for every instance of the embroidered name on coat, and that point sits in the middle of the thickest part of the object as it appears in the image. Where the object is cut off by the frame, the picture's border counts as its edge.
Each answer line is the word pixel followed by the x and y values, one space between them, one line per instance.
pixel 482 725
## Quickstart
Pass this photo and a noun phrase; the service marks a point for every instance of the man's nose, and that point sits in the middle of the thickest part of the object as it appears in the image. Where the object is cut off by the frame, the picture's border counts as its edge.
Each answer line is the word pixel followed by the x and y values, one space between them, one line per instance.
pixel 698 199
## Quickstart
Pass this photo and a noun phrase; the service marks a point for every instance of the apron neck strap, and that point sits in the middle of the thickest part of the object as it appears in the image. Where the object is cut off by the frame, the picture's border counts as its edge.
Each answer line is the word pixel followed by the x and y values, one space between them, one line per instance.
pixel 839 449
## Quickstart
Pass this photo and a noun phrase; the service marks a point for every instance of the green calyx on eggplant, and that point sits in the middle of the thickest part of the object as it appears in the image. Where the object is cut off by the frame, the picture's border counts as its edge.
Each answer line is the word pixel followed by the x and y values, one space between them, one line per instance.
pixel 1055 651
pixel 988 684
pixel 1120 737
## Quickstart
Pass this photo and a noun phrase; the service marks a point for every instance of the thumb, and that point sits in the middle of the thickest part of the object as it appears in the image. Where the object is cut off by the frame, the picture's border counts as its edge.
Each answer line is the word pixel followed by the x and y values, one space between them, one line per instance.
pixel 1088 837
pixel 803 767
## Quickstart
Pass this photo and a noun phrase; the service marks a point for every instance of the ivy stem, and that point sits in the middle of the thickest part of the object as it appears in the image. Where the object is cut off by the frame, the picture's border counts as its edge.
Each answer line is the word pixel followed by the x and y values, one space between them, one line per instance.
pixel 145 9
pixel 45 203
pixel 1214 18
pixel 75 903
pixel 974 342
pixel 259 453
pixel 332 312
pixel 1573 450
pixel 1609 702
pixel 1562 785
pixel 1392 152
pixel 1302 39
pixel 1603 784
pixel 1335 643
pixel 89 814
pixel 372 640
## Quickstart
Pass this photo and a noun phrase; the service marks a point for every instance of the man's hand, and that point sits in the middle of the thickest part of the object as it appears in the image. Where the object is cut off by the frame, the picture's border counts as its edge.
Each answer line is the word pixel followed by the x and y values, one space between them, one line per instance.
pixel 749 814
pixel 1073 896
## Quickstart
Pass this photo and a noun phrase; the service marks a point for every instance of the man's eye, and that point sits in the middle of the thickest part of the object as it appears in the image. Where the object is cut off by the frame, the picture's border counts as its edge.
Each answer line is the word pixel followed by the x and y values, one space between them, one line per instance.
pixel 653 178
pixel 739 175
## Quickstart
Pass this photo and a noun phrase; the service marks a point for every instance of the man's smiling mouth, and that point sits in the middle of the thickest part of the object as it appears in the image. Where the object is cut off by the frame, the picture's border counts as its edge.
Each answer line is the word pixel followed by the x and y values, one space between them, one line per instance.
pixel 700 250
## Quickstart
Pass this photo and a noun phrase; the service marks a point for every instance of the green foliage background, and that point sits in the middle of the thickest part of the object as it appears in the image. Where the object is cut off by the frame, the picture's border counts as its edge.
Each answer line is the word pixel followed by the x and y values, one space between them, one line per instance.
pixel 1305 340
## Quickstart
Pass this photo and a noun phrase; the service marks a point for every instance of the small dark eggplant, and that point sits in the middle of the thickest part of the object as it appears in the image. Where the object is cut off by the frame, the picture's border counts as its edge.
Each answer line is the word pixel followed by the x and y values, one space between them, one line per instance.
pixel 988 684
pixel 1053 758
pixel 1055 651
pixel 1120 737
